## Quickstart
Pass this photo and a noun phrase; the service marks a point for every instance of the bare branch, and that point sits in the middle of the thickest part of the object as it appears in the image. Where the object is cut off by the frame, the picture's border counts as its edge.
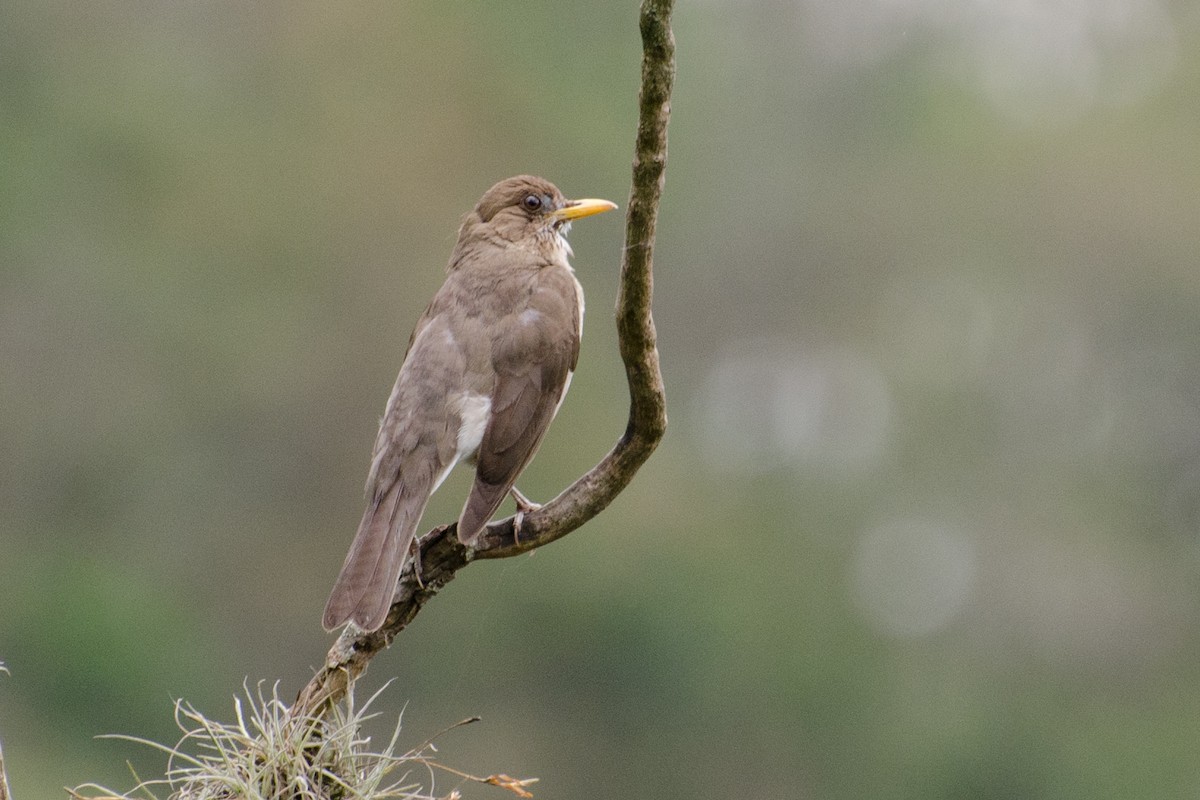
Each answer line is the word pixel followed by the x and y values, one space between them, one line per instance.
pixel 441 555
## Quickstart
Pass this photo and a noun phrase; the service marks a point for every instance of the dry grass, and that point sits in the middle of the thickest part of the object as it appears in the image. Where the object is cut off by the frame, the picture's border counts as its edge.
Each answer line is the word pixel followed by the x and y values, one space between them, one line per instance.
pixel 268 754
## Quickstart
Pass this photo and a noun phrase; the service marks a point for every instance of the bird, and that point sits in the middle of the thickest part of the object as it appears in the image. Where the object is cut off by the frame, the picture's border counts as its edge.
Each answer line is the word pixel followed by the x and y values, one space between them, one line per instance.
pixel 486 369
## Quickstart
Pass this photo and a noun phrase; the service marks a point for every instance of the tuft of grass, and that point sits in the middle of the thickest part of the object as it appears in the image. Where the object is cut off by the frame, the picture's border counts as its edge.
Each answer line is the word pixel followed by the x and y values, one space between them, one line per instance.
pixel 5 794
pixel 269 754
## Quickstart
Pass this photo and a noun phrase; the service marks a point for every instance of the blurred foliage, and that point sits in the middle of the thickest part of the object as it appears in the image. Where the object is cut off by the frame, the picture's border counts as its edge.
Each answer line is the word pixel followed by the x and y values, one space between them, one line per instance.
pixel 925 524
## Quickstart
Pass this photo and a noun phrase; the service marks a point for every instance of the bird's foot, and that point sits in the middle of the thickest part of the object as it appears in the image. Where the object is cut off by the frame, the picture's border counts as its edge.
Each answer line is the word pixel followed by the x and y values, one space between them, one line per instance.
pixel 524 505
pixel 414 553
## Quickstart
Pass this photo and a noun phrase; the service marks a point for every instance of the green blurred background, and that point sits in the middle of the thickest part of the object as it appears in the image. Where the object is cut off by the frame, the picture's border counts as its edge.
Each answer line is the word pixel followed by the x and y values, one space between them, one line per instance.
pixel 926 522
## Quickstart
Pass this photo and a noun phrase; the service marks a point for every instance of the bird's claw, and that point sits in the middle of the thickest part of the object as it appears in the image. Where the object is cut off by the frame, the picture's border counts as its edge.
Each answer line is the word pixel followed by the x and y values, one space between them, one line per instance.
pixel 415 554
pixel 524 505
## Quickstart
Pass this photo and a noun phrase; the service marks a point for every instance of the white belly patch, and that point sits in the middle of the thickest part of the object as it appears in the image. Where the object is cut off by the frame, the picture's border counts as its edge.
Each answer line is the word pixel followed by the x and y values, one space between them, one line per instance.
pixel 473 410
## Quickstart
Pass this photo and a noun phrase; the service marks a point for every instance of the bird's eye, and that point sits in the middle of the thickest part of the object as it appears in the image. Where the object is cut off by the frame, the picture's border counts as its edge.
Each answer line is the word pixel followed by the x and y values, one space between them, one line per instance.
pixel 532 202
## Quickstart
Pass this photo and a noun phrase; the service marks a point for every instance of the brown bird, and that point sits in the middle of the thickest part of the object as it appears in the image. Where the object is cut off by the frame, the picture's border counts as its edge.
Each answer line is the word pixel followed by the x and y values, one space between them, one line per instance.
pixel 487 366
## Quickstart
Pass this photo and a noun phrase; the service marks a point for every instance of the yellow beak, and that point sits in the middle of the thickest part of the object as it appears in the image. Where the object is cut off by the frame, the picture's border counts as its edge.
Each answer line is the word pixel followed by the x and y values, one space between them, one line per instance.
pixel 575 209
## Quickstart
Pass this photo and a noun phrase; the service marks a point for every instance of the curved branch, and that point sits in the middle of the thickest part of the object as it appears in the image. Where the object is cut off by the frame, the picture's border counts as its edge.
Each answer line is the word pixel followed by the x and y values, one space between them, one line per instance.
pixel 441 555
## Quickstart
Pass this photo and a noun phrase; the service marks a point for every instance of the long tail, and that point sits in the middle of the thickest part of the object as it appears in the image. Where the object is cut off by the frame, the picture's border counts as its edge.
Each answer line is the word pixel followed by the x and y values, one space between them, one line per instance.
pixel 364 589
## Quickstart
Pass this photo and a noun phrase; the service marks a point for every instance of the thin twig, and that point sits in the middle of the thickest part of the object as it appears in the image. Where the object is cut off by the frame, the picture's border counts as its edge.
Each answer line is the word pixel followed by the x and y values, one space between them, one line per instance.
pixel 441 555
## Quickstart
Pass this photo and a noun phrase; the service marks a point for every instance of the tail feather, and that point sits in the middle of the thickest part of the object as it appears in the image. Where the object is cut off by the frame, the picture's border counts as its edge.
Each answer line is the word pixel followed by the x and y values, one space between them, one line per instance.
pixel 366 585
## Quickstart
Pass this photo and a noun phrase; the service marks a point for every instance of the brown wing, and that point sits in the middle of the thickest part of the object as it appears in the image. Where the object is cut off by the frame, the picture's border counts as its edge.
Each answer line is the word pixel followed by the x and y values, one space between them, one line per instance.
pixel 532 361
pixel 411 452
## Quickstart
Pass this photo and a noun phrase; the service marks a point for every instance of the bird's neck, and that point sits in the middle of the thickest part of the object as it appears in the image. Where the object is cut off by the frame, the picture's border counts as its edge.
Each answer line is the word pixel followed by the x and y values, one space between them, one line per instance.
pixel 547 248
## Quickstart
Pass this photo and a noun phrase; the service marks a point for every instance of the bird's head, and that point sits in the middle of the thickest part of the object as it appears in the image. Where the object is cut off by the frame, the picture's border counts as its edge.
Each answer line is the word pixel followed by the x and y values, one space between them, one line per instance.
pixel 528 208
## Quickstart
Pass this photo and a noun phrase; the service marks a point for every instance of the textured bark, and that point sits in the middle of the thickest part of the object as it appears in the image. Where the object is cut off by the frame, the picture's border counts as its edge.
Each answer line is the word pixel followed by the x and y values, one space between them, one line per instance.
pixel 441 555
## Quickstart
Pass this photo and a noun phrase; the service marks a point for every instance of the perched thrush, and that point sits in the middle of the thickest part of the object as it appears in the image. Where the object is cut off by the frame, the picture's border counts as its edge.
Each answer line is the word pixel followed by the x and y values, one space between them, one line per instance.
pixel 487 367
